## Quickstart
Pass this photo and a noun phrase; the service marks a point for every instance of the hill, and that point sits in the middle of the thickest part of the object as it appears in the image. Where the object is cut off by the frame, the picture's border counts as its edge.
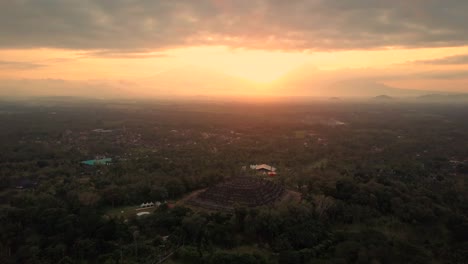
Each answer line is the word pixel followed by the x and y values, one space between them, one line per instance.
pixel 444 97
pixel 383 97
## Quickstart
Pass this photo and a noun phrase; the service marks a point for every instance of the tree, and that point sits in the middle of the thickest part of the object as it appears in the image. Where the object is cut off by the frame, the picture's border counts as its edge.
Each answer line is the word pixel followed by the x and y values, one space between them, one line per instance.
pixel 322 205
pixel 112 194
pixel 175 188
pixel 345 189
pixel 158 193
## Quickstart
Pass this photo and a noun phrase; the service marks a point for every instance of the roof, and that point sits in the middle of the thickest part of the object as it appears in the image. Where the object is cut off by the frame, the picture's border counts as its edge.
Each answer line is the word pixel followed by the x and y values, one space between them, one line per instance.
pixel 97 162
pixel 25 183
pixel 265 167
pixel 142 213
pixel 100 130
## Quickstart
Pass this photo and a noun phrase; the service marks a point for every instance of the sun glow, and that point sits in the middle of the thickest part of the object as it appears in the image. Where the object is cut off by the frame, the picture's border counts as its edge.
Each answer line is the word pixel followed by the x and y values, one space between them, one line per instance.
pixel 222 70
pixel 253 65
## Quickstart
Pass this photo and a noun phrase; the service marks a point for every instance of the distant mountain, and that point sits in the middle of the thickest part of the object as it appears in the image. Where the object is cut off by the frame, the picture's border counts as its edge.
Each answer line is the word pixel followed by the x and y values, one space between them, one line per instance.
pixel 63 88
pixel 383 97
pixel 370 88
pixel 444 97
pixel 205 84
pixel 309 81
pixel 178 82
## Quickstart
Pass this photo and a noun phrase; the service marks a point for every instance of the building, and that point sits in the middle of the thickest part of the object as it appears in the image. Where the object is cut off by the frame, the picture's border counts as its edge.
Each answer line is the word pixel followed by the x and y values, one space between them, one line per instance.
pixel 94 162
pixel 100 130
pixel 264 169
pixel 25 184
pixel 143 213
pixel 241 191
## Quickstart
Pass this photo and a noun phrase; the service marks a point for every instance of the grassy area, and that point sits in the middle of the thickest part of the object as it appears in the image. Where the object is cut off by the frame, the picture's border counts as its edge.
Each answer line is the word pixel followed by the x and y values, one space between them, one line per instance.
pixel 246 249
pixel 126 211
pixel 300 134
pixel 320 164
pixel 172 261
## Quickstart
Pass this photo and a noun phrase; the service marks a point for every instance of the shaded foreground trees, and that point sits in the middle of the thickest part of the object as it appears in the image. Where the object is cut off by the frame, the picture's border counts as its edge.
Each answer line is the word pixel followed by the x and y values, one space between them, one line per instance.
pixel 388 187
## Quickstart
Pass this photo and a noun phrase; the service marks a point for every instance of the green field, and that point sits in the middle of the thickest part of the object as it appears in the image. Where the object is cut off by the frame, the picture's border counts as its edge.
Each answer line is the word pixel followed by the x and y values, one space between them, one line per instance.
pixel 300 134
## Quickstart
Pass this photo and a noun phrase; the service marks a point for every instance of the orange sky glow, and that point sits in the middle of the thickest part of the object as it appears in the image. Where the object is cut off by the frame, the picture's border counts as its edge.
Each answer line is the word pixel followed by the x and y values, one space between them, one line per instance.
pixel 231 54
pixel 261 66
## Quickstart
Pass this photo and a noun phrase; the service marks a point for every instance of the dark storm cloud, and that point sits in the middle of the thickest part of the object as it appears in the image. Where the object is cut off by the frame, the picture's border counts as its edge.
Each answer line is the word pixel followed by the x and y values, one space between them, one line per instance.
pixel 451 60
pixel 274 24
pixel 19 65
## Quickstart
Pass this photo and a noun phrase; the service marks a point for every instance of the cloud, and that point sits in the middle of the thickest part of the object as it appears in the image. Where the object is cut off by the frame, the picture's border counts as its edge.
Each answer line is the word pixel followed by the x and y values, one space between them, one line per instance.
pixel 451 60
pixel 123 54
pixel 273 24
pixel 19 65
pixel 422 75
pixel 444 75
pixel 60 87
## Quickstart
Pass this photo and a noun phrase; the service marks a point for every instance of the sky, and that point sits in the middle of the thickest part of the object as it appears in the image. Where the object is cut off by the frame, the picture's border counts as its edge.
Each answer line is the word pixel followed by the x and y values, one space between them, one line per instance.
pixel 232 47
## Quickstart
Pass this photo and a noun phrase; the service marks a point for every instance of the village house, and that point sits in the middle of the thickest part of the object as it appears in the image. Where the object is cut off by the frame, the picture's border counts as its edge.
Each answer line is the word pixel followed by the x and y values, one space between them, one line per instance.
pixel 102 161
pixel 264 169
pixel 150 204
pixel 100 130
pixel 25 184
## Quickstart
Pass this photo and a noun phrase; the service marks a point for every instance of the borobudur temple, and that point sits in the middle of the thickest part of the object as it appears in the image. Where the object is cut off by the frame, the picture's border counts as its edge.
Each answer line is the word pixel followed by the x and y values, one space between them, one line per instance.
pixel 238 191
